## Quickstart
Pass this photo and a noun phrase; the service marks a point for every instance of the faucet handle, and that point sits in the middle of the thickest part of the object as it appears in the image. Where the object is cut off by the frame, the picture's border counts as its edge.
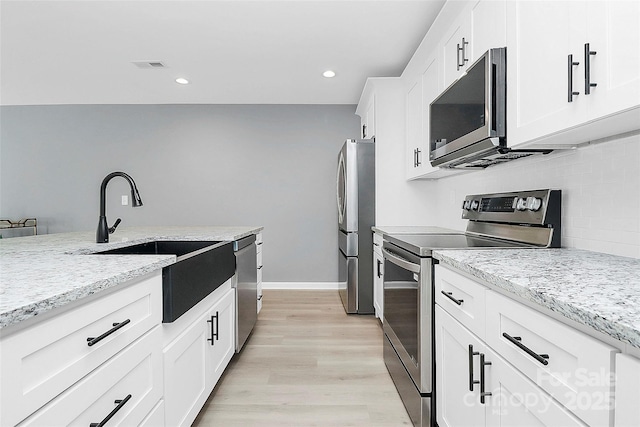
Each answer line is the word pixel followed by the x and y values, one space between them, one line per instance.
pixel 115 225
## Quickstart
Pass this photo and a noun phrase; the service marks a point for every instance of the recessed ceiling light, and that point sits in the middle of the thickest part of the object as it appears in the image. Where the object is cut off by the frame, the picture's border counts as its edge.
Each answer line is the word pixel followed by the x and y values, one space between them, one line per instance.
pixel 329 73
pixel 182 81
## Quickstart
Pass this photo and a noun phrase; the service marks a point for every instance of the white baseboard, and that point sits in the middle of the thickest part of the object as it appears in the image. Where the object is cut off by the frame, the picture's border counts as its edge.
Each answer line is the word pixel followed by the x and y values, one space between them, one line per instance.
pixel 301 285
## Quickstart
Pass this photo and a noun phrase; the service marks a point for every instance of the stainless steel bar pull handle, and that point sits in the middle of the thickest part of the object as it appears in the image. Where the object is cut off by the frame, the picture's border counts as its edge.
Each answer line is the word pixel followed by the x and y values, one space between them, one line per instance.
pixel 450 296
pixel 587 69
pixel 542 358
pixel 94 340
pixel 483 393
pixel 418 162
pixel 571 64
pixel 120 404
pixel 472 353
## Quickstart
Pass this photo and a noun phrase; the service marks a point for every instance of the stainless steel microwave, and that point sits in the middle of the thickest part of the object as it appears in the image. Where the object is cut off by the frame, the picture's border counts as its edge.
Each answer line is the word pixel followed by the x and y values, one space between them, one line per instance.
pixel 468 126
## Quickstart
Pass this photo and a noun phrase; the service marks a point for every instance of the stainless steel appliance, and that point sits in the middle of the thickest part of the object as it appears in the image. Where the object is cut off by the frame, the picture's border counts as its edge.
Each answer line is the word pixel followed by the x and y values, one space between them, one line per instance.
pixel 505 220
pixel 246 284
pixel 468 126
pixel 356 216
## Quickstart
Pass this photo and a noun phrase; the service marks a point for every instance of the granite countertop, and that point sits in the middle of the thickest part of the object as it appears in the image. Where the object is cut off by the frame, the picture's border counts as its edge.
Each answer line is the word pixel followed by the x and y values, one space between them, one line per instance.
pixel 40 273
pixel 598 290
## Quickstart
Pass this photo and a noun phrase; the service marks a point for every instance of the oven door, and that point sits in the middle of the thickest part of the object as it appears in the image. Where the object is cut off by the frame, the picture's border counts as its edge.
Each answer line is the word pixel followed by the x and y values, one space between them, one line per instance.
pixel 408 316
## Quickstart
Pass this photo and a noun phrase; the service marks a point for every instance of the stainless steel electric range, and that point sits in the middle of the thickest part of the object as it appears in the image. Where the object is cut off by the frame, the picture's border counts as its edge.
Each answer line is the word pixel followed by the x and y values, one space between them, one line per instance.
pixel 504 220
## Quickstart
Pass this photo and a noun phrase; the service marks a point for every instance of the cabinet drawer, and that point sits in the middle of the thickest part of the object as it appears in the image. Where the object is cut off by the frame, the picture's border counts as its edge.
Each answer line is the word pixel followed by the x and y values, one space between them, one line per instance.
pixel 574 368
pixel 461 297
pixel 42 361
pixel 135 372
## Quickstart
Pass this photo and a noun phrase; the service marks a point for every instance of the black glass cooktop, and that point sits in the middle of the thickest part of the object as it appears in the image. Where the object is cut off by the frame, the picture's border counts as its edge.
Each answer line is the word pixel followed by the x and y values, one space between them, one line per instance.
pixel 423 244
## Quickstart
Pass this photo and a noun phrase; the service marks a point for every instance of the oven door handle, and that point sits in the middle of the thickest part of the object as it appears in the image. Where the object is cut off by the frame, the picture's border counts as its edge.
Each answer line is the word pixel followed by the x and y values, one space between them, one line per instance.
pixel 401 262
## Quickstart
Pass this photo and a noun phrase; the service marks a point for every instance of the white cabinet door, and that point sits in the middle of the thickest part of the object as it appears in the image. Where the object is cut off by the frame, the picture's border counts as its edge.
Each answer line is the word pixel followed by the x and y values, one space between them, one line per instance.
pixel 414 142
pixel 457 369
pixel 455 50
pixel 378 276
pixel 540 36
pixel 194 361
pixel 185 385
pixel 627 412
pixel 222 348
pixel 420 95
pixel 614 36
pixel 480 27
pixel 488 27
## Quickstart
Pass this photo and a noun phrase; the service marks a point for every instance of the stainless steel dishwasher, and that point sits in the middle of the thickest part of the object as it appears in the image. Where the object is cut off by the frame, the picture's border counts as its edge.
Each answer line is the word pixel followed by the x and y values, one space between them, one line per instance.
pixel 246 284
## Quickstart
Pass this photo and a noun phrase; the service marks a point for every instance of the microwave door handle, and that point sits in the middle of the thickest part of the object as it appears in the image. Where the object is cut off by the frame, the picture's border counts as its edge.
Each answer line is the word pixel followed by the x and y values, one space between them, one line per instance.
pixel 400 262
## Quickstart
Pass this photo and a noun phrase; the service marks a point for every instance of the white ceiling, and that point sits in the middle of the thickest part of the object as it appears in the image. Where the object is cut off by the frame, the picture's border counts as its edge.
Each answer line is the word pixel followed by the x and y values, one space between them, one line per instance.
pixel 233 51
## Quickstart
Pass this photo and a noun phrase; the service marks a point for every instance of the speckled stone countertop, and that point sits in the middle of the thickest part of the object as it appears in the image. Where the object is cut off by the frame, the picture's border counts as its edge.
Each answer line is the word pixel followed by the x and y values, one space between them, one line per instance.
pixel 597 290
pixel 40 273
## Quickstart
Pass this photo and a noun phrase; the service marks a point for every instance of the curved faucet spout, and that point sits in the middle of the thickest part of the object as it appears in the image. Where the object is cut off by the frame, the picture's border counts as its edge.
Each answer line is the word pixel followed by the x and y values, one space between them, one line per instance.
pixel 102 235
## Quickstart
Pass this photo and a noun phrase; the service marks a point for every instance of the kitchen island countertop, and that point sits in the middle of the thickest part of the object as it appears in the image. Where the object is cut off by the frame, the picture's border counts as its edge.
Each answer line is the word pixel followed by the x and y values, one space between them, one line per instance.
pixel 40 273
pixel 597 290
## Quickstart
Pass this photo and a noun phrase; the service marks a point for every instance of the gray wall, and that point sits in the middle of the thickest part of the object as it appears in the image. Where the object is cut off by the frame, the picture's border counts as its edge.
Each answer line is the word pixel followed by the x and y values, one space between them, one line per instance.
pixel 270 165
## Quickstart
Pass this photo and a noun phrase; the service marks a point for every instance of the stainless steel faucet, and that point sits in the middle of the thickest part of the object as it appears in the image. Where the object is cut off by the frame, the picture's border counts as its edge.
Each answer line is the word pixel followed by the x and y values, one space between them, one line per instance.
pixel 102 235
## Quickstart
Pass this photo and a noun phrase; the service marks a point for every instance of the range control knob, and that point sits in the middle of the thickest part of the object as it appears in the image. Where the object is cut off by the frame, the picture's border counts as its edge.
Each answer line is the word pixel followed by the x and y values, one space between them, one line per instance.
pixel 474 205
pixel 466 205
pixel 534 203
pixel 521 204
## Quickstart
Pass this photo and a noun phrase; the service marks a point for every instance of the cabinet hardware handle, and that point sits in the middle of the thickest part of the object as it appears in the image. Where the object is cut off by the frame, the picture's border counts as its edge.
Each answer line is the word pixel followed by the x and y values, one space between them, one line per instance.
pixel 483 393
pixel 379 265
pixel 570 64
pixel 418 161
pixel 260 298
pixel 214 330
pixel 93 340
pixel 472 353
pixel 587 69
pixel 120 404
pixel 461 49
pixel 260 268
pixel 450 296
pixel 364 131
pixel 542 358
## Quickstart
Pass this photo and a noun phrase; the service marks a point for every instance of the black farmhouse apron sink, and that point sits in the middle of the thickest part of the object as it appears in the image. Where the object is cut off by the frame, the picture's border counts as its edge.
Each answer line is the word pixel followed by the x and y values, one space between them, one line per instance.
pixel 201 267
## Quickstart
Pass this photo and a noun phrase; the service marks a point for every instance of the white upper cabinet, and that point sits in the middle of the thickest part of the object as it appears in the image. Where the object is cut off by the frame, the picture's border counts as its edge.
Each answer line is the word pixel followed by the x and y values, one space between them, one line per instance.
pixel 614 37
pixel 420 93
pixel 555 83
pixel 367 111
pixel 480 27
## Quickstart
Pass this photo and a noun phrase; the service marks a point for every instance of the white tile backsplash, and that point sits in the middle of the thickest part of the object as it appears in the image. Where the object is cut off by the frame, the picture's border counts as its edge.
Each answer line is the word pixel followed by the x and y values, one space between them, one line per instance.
pixel 600 186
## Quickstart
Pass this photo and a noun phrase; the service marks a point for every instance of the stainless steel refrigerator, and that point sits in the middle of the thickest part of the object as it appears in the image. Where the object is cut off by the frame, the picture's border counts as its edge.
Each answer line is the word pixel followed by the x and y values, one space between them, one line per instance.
pixel 356 216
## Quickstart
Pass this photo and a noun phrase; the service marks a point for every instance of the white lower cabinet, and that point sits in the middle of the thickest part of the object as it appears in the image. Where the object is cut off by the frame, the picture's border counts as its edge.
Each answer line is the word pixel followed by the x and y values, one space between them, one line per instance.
pixel 52 358
pixel 501 363
pixel 196 358
pixel 259 264
pixel 627 413
pixel 476 387
pixel 130 382
pixel 378 276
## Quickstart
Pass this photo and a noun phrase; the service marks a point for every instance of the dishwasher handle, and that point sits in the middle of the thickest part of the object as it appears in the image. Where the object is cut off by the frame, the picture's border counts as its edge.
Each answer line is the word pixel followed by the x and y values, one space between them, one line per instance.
pixel 401 262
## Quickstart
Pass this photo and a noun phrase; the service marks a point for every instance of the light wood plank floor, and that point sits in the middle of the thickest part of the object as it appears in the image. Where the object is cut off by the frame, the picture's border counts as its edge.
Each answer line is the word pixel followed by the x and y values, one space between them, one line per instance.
pixel 307 363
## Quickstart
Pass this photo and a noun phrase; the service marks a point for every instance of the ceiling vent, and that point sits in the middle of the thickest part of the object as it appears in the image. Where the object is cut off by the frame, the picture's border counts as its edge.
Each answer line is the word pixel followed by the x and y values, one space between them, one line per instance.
pixel 149 64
